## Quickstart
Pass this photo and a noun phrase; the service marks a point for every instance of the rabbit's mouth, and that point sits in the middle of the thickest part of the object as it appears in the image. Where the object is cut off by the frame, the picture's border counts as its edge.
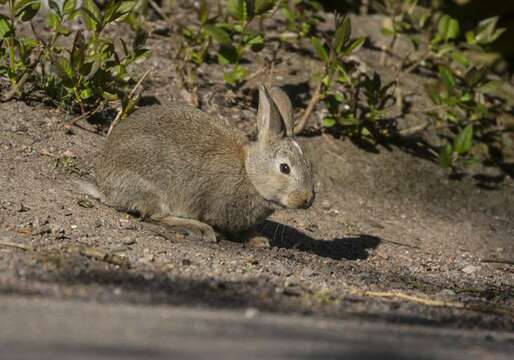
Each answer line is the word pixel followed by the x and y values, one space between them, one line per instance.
pixel 276 204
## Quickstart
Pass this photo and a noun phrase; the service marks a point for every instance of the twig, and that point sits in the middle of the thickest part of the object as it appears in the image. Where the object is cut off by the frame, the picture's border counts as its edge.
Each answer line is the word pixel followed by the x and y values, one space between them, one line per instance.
pixel 484 308
pixel 15 245
pixel 498 261
pixel 308 111
pixel 158 9
pixel 414 65
pixel 76 119
pixel 120 114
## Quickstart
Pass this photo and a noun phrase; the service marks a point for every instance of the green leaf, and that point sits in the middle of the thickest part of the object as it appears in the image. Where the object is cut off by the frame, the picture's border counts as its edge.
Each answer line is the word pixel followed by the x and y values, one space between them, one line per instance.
pixel 86 94
pixel 217 33
pixel 117 10
pixel 78 52
pixel 448 28
pixel 445 156
pixel 387 31
pixel 203 12
pixel 228 55
pixel 447 78
pixel 320 49
pixel 5 26
pixel 55 7
pixel 91 15
pixel 328 122
pixel 462 143
pixel 55 23
pixel 475 76
pixel 349 120
pixel 263 6
pixel 69 6
pixel 26 9
pixel 343 33
pixel 236 75
pixel 140 39
pixel 486 32
pixel 238 9
pixel 355 45
pixel 460 58
pixel 63 70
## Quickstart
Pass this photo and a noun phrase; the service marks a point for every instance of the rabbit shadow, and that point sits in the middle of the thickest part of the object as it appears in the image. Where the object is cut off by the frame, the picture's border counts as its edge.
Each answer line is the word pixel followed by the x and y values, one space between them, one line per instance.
pixel 348 248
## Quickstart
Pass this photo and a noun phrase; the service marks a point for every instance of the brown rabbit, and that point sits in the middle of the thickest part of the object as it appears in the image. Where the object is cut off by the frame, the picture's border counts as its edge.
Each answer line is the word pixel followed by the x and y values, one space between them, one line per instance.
pixel 175 164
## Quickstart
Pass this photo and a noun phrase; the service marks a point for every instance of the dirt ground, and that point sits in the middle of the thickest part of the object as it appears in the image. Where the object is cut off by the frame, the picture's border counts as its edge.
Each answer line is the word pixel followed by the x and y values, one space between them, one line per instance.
pixel 390 238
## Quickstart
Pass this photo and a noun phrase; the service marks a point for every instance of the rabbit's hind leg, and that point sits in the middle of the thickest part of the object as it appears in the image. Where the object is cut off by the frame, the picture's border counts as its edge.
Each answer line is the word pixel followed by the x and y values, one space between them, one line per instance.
pixel 252 238
pixel 204 230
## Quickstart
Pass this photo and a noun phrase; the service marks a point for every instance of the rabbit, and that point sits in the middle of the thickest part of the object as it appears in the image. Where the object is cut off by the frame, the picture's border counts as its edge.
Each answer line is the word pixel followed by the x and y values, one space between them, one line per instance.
pixel 176 165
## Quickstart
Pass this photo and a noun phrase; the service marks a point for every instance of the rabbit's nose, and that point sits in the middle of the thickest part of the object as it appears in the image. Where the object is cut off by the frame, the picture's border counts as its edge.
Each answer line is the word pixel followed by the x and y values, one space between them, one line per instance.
pixel 300 199
pixel 308 202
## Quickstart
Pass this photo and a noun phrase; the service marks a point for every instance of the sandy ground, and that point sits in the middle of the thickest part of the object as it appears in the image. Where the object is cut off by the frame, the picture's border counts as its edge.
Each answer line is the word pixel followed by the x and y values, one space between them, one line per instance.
pixel 391 241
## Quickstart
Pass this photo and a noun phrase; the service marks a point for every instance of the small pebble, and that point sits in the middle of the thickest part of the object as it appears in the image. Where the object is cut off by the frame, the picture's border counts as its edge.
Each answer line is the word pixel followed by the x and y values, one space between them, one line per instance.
pixel 447 292
pixel 469 269
pixel 325 205
pixel 251 313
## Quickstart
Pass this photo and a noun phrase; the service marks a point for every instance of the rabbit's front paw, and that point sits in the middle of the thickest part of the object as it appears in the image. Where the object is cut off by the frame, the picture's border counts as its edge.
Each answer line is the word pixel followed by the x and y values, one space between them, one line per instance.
pixel 258 242
pixel 205 231
pixel 208 233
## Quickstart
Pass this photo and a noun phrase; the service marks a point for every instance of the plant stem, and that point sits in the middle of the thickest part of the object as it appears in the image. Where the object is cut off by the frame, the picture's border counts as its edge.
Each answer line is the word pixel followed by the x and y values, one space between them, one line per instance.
pixel 314 101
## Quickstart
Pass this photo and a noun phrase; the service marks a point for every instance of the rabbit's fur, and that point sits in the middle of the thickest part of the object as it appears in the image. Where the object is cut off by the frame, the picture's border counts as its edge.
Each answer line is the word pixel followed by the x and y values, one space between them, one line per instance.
pixel 176 164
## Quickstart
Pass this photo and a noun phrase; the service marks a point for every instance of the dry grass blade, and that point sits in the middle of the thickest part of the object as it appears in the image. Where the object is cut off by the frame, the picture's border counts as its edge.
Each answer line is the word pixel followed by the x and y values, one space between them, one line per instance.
pixel 483 308
pixel 15 245
pixel 499 261
pixel 158 9
pixel 104 256
pixel 131 95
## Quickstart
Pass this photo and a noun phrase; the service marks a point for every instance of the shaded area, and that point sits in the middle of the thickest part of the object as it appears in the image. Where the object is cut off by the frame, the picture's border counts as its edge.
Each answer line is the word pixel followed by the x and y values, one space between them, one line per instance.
pixel 96 331
pixel 347 248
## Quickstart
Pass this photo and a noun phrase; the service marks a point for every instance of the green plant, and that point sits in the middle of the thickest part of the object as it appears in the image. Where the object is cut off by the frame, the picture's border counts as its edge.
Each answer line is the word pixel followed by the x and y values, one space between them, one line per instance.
pixel 302 16
pixel 92 72
pixel 243 38
pixel 84 76
pixel 15 50
pixel 194 49
pixel 463 90
pixel 230 29
pixel 465 108
pixel 355 101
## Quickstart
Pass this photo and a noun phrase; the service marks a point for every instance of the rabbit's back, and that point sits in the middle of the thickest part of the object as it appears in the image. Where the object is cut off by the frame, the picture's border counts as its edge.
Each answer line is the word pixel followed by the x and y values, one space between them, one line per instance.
pixel 173 159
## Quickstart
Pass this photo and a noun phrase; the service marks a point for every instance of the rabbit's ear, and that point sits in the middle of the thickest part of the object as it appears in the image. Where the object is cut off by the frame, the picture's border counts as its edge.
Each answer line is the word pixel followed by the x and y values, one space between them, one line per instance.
pixel 269 120
pixel 285 108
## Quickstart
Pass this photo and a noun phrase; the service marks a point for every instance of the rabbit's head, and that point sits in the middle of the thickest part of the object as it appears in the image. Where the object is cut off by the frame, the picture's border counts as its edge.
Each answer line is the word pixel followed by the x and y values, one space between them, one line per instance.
pixel 276 164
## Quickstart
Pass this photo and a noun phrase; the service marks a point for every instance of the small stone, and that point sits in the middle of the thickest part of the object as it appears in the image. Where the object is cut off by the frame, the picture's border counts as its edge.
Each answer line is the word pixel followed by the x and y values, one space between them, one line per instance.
pixel 186 262
pixel 447 292
pixel 307 272
pixel 147 259
pixel 251 313
pixel 280 269
pixel 325 205
pixel 469 269
pixel 148 276
pixel 69 153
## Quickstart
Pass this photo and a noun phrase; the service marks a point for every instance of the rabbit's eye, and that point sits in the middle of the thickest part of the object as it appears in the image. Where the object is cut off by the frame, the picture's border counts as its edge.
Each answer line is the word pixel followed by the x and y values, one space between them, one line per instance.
pixel 285 169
